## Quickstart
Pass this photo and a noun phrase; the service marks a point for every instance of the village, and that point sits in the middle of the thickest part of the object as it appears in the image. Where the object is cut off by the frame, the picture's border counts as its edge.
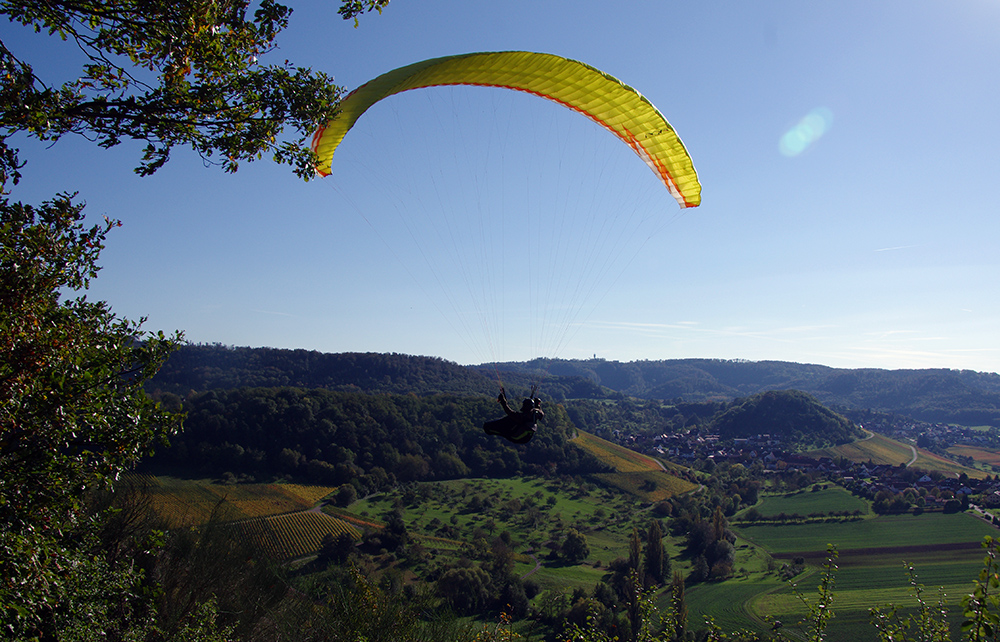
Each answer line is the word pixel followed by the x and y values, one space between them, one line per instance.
pixel 892 488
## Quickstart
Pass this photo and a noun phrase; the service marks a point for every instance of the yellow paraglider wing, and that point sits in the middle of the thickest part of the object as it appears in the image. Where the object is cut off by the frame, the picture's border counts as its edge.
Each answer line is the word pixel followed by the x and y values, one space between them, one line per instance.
pixel 580 87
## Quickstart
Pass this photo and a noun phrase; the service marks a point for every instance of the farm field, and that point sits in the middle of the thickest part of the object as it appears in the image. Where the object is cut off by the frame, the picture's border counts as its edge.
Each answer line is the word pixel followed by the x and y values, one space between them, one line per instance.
pixel 636 473
pixel 880 449
pixel 618 457
pixel 442 515
pixel 446 517
pixel 984 455
pixel 877 448
pixel 293 535
pixel 183 502
pixel 944 549
pixel 862 581
pixel 651 485
pixel 729 603
pixel 885 531
pixel 872 580
pixel 929 461
pixel 833 499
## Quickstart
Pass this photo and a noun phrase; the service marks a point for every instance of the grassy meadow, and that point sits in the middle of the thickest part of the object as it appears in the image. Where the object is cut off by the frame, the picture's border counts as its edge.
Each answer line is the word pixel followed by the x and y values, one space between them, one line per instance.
pixel 830 500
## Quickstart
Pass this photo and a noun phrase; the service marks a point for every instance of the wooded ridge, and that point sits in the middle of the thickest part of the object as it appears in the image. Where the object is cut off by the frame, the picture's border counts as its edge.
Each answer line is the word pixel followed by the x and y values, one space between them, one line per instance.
pixel 935 395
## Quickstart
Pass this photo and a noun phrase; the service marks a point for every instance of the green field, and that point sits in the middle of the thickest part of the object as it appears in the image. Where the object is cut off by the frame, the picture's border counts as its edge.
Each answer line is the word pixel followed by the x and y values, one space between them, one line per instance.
pixel 943 549
pixel 867 581
pixel 885 531
pixel 729 603
pixel 446 516
pixel 860 584
pixel 833 499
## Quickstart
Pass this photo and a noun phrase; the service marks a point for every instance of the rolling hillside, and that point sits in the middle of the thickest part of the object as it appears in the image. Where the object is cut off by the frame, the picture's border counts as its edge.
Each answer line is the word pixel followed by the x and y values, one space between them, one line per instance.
pixel 635 473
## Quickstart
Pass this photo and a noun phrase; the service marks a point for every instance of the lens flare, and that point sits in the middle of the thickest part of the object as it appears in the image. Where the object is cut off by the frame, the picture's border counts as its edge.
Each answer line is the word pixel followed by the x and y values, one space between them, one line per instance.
pixel 808 130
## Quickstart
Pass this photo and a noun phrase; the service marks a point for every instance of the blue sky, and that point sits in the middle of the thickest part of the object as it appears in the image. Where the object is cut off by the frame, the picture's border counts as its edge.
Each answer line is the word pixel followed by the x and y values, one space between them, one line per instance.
pixel 870 242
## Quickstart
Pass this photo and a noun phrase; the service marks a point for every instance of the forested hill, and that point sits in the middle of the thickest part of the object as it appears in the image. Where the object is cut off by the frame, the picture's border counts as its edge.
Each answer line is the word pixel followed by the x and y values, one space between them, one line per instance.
pixel 212 367
pixel 960 396
pixel 369 441
pixel 217 367
pixel 797 417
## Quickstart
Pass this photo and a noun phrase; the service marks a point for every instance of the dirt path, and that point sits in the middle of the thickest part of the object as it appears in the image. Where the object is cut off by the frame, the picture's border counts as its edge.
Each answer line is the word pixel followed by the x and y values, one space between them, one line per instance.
pixel 538 565
pixel 913 459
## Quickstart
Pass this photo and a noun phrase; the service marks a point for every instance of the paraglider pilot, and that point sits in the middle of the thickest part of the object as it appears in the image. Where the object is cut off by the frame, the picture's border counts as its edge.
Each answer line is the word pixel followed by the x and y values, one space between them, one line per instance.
pixel 518 426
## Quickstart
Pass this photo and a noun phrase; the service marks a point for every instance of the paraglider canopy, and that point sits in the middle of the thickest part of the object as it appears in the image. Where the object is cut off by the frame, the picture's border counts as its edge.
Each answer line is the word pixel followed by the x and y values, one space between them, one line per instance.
pixel 575 85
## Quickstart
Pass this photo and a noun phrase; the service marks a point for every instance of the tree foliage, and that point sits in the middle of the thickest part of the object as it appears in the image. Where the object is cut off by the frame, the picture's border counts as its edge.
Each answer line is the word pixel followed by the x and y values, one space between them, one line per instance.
pixel 72 408
pixel 73 413
pixel 575 548
pixel 168 74
pixel 656 561
pixel 368 441
pixel 936 395
pixel 212 367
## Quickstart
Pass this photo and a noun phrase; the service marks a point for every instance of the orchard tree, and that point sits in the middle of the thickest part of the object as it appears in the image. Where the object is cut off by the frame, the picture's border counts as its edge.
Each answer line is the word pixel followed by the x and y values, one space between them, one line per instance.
pixel 574 547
